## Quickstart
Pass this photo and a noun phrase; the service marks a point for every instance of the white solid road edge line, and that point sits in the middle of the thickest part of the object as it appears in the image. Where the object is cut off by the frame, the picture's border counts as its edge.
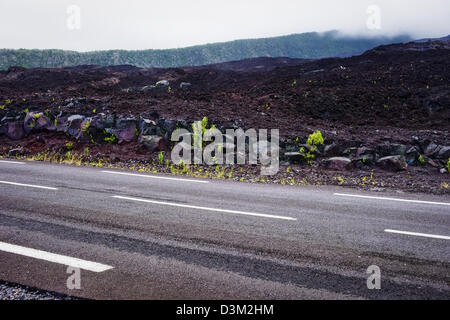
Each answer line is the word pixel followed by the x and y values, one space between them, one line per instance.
pixel 13 162
pixel 392 199
pixel 27 185
pixel 208 209
pixel 52 257
pixel 154 177
pixel 417 234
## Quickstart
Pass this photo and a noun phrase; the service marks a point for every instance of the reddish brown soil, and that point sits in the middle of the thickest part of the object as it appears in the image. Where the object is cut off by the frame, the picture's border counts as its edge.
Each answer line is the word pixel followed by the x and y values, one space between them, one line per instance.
pixel 388 94
pixel 397 92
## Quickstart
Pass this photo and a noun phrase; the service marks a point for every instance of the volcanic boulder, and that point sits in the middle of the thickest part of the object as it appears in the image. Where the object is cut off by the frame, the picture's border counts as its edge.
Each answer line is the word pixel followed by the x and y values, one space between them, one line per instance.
pixel 412 155
pixel 35 122
pixel 153 143
pixel 338 163
pixel 393 163
pixel 444 153
pixel 73 125
pixel 432 149
pixel 15 130
pixel 126 129
pixel 148 128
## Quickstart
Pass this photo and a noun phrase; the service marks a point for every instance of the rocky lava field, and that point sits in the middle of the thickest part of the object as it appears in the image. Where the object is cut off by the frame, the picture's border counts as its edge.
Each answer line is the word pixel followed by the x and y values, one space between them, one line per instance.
pixel 384 115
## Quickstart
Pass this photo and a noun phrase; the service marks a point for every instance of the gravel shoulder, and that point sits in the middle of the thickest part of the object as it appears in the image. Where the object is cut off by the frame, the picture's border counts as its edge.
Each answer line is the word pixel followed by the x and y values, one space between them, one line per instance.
pixel 14 291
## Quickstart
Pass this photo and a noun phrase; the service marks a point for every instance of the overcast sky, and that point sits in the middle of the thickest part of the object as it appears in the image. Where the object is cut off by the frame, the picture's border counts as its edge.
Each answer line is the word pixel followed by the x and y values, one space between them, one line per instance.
pixel 151 24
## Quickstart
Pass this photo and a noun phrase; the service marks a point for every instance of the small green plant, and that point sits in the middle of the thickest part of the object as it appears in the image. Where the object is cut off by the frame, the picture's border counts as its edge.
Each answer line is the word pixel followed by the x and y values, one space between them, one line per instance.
pixel 2 107
pixel 448 165
pixel 110 138
pixel 94 111
pixel 308 155
pixel 184 167
pixel 37 115
pixel 8 101
pixel 199 132
pixel 161 157
pixel 230 174
pixel 69 146
pixel 26 111
pixel 421 159
pixel 86 151
pixel 315 139
pixel 294 83
pixel 136 132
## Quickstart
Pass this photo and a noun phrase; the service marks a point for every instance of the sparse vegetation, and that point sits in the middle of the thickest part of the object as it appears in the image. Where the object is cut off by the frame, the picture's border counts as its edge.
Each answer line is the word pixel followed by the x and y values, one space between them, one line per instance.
pixel 111 138
pixel 69 146
pixel 314 140
pixel 421 159
pixel 161 157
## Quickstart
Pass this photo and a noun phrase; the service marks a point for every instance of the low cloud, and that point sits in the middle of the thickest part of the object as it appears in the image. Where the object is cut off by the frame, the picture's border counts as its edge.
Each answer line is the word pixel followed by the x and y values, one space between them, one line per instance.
pixel 135 24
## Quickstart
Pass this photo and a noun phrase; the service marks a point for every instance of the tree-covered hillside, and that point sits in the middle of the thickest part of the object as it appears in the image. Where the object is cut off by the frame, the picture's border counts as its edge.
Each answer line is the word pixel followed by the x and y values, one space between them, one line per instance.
pixel 306 46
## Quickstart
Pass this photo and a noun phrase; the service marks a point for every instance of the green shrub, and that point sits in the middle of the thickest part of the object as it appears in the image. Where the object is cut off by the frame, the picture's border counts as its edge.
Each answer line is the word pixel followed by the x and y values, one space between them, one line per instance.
pixel 315 139
pixel 421 159
pixel 199 132
pixel 69 146
pixel 110 138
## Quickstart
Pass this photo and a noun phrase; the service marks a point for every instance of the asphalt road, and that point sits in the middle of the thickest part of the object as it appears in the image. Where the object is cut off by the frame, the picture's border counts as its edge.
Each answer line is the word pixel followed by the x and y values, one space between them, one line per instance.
pixel 157 237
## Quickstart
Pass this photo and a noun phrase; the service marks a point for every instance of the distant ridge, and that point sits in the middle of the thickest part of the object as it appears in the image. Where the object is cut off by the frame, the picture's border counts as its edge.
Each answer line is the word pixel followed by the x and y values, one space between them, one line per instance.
pixel 446 38
pixel 311 45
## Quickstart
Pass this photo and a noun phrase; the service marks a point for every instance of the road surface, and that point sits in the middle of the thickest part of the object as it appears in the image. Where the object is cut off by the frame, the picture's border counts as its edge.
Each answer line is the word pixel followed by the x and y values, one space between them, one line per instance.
pixel 141 236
